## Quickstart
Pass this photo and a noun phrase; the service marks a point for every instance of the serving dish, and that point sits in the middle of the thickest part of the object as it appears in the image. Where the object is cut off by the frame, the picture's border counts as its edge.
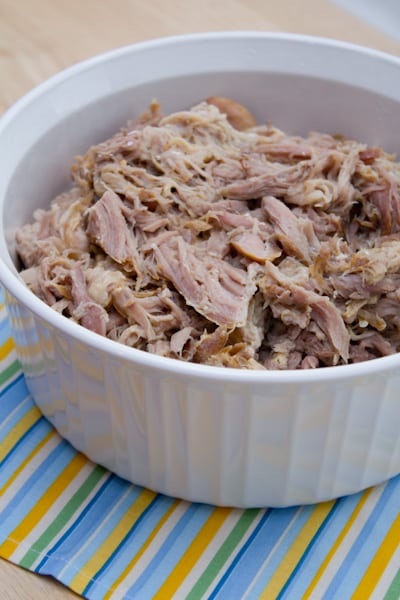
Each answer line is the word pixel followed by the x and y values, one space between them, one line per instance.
pixel 206 434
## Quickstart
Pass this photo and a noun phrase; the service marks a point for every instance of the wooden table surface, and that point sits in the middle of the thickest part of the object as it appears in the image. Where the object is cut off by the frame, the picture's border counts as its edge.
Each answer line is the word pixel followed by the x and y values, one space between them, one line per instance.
pixel 40 37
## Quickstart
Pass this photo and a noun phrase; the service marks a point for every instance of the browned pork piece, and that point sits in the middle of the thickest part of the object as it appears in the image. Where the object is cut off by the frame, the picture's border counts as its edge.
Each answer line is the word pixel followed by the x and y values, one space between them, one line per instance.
pixel 204 237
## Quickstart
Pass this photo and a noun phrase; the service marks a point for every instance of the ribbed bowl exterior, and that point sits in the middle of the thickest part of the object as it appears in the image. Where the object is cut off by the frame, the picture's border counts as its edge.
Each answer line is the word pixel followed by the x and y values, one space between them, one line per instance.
pixel 235 444
pixel 238 439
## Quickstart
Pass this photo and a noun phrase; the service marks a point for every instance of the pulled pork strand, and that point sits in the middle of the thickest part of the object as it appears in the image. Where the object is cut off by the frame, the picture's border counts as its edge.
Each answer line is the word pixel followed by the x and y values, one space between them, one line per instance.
pixel 204 237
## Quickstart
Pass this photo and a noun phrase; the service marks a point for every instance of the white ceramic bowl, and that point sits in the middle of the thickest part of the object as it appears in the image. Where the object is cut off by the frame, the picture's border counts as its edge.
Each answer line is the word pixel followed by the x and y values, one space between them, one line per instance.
pixel 202 433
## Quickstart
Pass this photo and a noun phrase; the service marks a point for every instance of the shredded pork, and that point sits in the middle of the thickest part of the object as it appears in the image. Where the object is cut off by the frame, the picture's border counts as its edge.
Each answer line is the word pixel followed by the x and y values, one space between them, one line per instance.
pixel 203 237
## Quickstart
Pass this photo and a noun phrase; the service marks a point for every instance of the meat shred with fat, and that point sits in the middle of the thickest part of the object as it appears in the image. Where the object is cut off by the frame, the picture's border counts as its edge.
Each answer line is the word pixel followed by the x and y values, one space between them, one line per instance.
pixel 203 237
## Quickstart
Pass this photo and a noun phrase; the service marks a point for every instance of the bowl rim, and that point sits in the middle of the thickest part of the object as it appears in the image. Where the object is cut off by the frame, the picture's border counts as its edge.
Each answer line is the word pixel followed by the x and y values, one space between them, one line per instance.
pixel 15 286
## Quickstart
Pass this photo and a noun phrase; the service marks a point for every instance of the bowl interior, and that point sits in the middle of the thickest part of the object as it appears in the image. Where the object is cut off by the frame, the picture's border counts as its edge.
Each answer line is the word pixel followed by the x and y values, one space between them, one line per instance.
pixel 297 83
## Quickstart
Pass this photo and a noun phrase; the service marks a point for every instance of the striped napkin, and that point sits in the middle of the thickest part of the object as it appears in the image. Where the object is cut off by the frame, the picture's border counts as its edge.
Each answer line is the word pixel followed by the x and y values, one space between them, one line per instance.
pixel 64 516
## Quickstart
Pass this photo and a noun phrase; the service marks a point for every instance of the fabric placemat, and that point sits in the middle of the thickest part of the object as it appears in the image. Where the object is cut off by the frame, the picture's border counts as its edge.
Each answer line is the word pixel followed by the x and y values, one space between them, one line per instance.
pixel 62 515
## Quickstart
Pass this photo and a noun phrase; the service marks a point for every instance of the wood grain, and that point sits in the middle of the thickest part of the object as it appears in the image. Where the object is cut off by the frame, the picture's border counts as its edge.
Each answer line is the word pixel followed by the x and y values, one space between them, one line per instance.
pixel 40 37
pixel 18 584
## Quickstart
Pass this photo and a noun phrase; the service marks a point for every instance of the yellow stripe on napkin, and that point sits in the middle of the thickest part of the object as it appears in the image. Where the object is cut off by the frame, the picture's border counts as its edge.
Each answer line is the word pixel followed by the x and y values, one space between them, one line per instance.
pixel 193 553
pixel 89 570
pixel 297 550
pixel 27 460
pixel 138 555
pixel 42 506
pixel 6 348
pixel 19 431
pixel 379 563
pixel 336 545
